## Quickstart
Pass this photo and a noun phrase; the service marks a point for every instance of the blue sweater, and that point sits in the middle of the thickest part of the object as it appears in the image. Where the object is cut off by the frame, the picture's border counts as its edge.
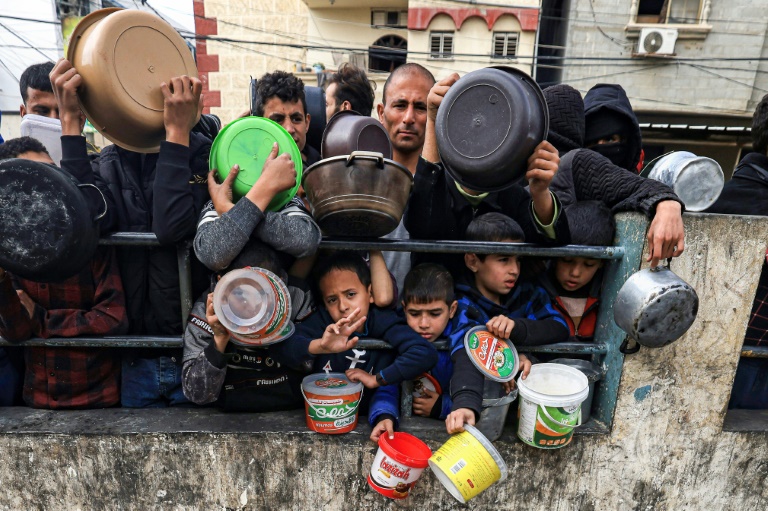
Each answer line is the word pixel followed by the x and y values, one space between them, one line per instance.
pixel 536 320
pixel 386 400
pixel 413 354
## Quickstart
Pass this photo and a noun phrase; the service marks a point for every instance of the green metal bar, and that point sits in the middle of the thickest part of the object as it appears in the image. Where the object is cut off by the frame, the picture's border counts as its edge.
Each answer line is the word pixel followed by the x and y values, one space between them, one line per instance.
pixel 754 351
pixel 630 234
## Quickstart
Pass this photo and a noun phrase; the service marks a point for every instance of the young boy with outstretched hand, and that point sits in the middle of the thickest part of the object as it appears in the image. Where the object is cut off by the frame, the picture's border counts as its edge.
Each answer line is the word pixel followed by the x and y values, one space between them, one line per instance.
pixel 327 340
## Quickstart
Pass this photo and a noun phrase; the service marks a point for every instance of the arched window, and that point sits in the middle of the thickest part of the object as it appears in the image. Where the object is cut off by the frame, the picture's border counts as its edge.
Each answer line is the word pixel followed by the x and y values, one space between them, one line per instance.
pixel 387 53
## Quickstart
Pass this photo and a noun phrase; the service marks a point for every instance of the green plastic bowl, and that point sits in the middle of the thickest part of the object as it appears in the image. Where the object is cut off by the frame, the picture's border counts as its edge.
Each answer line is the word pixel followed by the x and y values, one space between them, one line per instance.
pixel 247 142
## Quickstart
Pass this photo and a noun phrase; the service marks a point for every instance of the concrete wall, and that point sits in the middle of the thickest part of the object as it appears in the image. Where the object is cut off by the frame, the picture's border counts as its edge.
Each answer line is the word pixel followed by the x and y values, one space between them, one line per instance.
pixel 597 29
pixel 667 449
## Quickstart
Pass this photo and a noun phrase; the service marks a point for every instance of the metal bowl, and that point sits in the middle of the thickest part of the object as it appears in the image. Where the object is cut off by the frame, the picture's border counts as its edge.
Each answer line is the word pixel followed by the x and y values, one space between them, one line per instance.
pixel 348 131
pixel 488 125
pixel 123 56
pixel 359 195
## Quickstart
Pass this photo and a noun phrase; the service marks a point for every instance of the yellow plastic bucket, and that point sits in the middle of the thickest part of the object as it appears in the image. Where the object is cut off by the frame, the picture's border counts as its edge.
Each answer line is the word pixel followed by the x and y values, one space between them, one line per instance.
pixel 467 464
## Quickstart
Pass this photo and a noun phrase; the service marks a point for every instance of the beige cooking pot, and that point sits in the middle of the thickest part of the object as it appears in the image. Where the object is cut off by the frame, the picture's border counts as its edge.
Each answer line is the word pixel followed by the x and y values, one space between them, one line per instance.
pixel 123 55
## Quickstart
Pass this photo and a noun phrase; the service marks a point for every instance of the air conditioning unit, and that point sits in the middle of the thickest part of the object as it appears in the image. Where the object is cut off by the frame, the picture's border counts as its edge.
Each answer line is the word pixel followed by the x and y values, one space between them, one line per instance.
pixel 657 41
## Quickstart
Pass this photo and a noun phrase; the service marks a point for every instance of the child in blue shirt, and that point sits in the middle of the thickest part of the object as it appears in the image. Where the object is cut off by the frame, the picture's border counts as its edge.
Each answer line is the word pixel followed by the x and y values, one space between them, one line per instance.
pixel 489 294
pixel 429 306
pixel 327 340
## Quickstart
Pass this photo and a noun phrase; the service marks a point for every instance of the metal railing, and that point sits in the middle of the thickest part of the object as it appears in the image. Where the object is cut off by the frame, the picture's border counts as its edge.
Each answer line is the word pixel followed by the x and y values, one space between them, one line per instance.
pixel 603 351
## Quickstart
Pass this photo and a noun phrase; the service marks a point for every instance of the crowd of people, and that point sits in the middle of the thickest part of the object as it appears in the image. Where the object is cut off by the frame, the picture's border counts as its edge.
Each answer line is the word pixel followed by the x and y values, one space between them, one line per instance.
pixel 586 171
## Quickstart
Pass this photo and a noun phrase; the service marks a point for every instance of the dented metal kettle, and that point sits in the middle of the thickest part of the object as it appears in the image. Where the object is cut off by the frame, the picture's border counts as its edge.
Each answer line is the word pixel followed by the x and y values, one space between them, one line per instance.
pixel 655 307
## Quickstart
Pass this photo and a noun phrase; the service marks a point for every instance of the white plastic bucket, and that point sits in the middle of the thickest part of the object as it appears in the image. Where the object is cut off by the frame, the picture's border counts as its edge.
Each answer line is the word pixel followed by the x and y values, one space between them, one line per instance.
pixel 697 180
pixel 550 405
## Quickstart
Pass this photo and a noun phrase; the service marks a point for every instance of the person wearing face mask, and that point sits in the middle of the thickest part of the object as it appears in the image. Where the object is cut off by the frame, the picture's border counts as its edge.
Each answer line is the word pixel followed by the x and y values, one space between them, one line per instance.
pixel 611 127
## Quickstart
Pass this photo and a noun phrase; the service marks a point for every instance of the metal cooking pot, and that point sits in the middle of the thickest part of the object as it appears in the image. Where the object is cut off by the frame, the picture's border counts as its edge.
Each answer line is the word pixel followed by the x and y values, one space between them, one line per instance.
pixel 655 307
pixel 697 180
pixel 359 195
pixel 488 125
pixel 47 231
pixel 348 131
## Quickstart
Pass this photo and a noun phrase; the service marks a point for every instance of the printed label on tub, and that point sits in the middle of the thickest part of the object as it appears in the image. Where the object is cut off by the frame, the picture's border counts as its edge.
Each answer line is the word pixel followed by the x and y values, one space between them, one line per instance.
pixel 538 430
pixel 491 355
pixel 469 466
pixel 330 408
pixel 394 479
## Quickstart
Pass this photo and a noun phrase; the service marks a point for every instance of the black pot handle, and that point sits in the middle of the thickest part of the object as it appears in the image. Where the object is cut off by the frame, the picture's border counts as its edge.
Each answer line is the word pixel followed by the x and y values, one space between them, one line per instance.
pixel 99 217
pixel 366 155
pixel 624 348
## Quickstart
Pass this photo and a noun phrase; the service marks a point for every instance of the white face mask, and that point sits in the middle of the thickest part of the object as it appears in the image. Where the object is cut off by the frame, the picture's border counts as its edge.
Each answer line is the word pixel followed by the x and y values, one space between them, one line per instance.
pixel 45 129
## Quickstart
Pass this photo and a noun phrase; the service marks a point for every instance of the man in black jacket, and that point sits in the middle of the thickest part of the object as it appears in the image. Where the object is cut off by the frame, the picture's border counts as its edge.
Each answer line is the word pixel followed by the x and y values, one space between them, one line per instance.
pixel 161 193
pixel 747 194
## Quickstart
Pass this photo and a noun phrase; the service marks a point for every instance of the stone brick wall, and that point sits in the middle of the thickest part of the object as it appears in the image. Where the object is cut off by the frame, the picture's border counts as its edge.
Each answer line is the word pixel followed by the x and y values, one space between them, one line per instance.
pixel 275 25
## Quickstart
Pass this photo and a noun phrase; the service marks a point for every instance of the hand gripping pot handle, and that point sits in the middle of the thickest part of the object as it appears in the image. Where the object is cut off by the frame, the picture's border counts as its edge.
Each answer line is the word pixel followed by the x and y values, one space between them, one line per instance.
pixel 561 424
pixel 366 155
pixel 319 412
pixel 98 217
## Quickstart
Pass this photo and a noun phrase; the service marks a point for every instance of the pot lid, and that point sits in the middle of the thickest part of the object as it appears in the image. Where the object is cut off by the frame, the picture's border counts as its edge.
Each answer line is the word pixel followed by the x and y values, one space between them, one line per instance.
pixel 247 142
pixel 330 384
pixel 348 131
pixel 123 55
pixel 488 124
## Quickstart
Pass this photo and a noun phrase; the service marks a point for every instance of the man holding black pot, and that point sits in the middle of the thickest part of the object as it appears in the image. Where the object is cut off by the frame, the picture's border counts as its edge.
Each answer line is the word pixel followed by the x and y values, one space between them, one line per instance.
pixel 91 302
pixel 154 192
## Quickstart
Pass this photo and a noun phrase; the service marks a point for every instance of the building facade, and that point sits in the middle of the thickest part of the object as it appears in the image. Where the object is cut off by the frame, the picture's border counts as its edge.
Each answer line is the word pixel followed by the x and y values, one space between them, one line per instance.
pixel 694 70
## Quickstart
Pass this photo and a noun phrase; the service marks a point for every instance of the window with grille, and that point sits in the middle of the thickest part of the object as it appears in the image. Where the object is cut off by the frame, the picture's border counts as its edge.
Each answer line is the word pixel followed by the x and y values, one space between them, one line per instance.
pixel 395 19
pixel 441 45
pixel 505 44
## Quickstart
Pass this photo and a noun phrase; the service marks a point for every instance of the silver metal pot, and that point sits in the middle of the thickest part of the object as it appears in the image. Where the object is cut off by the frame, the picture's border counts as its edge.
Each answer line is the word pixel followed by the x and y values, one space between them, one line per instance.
pixel 697 180
pixel 655 307
pixel 360 195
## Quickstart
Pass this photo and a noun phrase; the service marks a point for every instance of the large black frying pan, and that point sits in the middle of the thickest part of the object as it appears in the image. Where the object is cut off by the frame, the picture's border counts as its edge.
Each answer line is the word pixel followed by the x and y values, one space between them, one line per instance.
pixel 47 231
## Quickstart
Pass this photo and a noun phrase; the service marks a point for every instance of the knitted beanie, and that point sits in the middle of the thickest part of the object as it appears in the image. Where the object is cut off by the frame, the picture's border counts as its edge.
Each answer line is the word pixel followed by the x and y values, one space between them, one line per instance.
pixel 566 117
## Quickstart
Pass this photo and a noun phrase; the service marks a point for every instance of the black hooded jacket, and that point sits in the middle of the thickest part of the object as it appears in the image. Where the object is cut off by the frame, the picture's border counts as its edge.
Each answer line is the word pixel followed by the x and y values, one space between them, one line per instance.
pixel 586 175
pixel 612 98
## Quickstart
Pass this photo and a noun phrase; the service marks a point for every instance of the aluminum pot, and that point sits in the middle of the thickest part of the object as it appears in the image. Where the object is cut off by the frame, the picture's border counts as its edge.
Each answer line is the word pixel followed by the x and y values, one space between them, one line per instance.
pixel 697 180
pixel 348 131
pixel 359 195
pixel 655 307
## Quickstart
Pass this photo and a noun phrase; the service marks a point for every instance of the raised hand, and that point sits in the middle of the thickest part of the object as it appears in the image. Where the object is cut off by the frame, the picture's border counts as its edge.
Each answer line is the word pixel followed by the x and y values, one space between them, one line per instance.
pixel 336 336
pixel 182 106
